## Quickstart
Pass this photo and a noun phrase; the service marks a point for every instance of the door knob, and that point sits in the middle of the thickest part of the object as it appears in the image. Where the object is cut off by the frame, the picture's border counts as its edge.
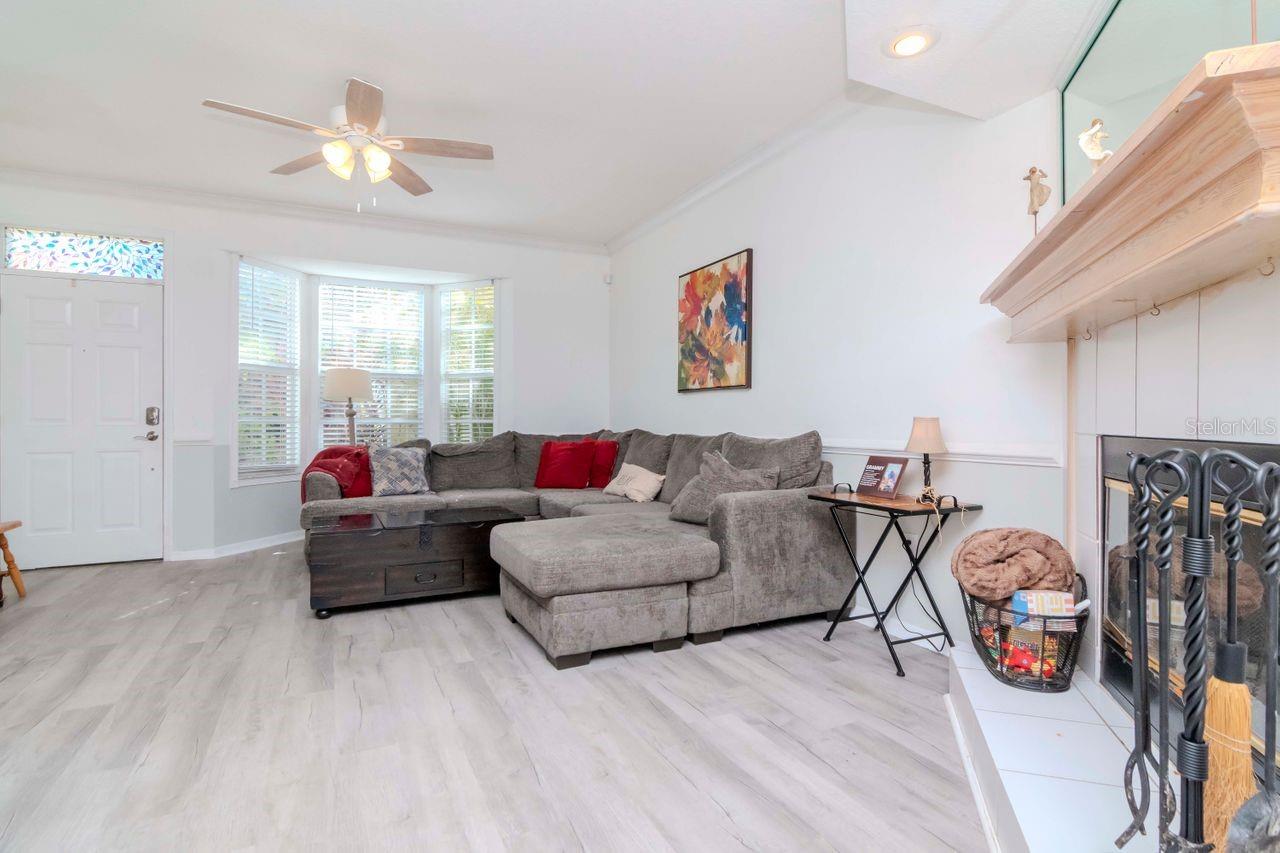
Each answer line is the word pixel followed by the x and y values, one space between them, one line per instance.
pixel 151 435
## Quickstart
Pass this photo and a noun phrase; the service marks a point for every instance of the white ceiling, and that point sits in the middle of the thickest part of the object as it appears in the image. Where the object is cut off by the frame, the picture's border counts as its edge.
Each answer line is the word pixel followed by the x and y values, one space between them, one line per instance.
pixel 601 113
pixel 990 55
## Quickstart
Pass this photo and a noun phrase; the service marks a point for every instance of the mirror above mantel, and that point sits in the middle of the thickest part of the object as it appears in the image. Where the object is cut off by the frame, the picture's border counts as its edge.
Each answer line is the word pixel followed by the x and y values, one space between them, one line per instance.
pixel 1192 198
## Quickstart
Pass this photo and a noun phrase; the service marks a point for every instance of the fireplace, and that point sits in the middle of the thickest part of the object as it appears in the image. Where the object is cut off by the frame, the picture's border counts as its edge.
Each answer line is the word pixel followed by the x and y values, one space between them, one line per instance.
pixel 1117 500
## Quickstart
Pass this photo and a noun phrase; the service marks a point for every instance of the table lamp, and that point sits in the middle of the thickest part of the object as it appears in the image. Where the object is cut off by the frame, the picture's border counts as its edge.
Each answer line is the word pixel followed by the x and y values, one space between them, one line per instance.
pixel 926 438
pixel 350 384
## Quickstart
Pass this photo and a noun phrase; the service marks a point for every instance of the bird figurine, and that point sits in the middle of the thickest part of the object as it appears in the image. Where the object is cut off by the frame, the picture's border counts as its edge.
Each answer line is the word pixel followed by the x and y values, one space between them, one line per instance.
pixel 1091 144
pixel 1038 193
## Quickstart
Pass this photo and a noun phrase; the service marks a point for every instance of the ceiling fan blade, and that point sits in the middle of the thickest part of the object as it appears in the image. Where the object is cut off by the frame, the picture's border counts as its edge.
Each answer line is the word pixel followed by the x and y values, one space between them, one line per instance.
pixel 407 179
pixel 443 147
pixel 271 117
pixel 364 104
pixel 294 166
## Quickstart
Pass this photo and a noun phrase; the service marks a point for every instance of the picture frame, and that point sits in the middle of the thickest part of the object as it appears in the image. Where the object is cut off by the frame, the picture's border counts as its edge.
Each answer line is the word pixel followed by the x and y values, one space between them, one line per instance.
pixel 714 325
pixel 882 476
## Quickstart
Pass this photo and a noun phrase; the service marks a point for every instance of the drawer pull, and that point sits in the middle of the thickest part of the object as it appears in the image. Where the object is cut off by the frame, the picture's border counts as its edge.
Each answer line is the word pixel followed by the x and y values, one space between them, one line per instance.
pixel 423 577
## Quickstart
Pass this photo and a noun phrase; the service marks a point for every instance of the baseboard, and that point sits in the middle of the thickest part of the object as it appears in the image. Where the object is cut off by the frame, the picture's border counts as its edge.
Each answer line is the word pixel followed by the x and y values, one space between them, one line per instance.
pixel 175 556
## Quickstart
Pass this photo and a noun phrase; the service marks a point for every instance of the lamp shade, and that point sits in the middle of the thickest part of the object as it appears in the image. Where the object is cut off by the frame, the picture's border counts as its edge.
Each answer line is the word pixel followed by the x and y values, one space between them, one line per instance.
pixel 926 436
pixel 343 382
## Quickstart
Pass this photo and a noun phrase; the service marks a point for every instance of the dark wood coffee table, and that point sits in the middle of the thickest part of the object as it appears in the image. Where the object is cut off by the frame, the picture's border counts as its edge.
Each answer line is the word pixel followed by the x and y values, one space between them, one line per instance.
pixel 376 557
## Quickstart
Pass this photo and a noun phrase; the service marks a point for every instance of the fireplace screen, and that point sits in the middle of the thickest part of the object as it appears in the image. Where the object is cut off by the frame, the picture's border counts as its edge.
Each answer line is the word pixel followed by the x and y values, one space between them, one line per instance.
pixel 1117 497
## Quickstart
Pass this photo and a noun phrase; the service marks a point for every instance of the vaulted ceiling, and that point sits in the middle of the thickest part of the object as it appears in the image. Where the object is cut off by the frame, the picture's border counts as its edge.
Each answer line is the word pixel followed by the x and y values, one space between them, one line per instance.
pixel 601 113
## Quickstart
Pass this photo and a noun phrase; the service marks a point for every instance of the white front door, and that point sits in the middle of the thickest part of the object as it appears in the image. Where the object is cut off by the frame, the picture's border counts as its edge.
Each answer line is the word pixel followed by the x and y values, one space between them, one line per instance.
pixel 80 364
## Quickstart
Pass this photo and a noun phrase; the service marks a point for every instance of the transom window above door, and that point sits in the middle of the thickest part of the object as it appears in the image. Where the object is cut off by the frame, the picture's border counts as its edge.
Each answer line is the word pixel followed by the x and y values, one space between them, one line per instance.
pixel 75 253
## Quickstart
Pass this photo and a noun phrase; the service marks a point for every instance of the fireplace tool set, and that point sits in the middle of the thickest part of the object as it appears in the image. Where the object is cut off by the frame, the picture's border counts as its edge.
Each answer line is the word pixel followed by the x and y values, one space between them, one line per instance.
pixel 1161 484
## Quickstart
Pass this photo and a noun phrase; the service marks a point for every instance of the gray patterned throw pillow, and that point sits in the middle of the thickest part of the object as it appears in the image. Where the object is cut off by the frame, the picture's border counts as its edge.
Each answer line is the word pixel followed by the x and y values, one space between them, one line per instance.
pixel 398 470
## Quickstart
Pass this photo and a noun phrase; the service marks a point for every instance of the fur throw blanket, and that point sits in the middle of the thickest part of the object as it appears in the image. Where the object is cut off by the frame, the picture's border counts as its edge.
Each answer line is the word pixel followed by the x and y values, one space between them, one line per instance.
pixel 993 564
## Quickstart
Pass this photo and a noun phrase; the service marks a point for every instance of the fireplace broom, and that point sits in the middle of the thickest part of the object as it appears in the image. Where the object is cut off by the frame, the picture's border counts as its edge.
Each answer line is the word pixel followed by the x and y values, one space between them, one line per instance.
pixel 1227 720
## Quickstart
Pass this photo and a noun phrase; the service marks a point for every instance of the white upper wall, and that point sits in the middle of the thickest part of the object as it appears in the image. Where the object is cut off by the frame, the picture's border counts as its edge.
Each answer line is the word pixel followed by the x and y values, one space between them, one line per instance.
pixel 872 239
pixel 553 336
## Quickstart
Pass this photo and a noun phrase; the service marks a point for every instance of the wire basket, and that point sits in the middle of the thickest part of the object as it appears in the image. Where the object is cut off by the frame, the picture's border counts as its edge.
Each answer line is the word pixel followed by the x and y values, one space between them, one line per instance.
pixel 1030 652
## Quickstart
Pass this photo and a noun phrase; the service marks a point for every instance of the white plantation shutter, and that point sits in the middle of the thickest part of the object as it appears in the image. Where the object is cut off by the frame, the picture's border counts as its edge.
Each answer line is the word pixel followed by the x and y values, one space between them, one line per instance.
pixel 268 433
pixel 378 328
pixel 467 361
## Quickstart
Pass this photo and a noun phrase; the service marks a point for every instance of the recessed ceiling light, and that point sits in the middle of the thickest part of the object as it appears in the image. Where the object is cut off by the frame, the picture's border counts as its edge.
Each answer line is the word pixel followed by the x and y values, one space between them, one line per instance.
pixel 910 44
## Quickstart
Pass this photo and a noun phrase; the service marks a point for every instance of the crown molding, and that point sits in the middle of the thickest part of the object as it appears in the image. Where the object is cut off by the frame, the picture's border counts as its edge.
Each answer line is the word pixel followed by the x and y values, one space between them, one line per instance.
pixel 245 204
pixel 817 122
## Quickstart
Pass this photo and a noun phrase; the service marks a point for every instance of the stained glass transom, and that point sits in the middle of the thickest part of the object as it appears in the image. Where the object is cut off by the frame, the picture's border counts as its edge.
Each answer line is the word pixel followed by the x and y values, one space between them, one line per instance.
pixel 83 254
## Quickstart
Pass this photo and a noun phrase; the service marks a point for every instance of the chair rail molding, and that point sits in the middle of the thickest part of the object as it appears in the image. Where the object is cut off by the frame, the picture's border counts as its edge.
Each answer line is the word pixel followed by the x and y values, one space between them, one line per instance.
pixel 1191 198
pixel 1026 455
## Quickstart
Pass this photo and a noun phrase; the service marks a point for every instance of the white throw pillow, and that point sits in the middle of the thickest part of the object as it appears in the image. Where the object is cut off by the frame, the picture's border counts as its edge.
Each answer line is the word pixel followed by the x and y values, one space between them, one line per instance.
pixel 635 483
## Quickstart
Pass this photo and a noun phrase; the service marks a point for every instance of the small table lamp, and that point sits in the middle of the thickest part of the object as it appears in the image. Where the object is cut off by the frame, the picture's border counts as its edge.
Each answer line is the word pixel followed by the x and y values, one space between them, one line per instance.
pixel 350 384
pixel 926 438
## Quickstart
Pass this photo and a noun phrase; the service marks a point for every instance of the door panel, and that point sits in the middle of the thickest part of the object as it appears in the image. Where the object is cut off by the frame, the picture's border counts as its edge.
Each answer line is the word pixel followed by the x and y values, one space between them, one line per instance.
pixel 48 385
pixel 50 493
pixel 119 384
pixel 80 362
pixel 118 476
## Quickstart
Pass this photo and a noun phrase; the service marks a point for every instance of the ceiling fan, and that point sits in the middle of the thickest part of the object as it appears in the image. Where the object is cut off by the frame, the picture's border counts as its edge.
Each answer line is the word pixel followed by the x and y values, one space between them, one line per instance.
pixel 358 126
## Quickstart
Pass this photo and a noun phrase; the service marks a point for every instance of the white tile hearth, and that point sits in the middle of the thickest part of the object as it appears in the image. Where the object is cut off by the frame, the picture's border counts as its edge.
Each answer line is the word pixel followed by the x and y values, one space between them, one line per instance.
pixel 1048 767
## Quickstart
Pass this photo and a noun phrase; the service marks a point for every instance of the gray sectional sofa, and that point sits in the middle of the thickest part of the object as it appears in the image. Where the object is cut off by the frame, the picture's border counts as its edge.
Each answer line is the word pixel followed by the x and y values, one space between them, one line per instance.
pixel 595 571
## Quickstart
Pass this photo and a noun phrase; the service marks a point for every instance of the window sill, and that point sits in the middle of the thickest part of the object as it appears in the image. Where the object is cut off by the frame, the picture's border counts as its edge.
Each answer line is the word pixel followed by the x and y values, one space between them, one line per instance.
pixel 267 479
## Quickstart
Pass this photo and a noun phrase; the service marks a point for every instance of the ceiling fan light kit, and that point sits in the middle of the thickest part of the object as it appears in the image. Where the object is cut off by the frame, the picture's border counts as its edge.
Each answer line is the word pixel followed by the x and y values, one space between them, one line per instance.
pixel 359 126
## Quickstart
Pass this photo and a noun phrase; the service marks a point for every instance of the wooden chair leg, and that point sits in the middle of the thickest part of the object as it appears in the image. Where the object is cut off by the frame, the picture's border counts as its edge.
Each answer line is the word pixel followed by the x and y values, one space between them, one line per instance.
pixel 14 574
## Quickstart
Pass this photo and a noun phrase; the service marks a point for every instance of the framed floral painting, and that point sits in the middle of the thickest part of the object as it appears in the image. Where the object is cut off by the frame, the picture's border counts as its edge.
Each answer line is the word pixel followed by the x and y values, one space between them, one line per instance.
pixel 715 325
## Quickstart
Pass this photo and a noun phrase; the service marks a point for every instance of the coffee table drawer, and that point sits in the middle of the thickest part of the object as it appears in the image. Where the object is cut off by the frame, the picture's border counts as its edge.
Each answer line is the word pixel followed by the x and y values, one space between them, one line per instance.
pixel 439 576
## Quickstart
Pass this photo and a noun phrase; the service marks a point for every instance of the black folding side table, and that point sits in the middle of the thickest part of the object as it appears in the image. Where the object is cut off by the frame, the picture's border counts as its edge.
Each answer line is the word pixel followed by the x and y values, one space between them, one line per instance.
pixel 893 510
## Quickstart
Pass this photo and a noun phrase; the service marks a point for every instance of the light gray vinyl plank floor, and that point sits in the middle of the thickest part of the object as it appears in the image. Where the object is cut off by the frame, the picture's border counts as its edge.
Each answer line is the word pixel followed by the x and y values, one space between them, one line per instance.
pixel 201 706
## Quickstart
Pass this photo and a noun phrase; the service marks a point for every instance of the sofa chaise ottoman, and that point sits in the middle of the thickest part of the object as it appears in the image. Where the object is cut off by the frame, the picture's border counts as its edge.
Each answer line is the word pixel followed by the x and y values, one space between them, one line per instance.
pixel 597 582
pixel 593 571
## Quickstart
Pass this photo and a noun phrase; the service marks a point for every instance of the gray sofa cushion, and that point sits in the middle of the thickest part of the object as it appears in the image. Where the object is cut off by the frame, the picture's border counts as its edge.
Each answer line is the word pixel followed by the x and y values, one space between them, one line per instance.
pixel 356 506
pixel 624 442
pixel 798 458
pixel 648 507
pixel 717 477
pixel 649 450
pixel 529 452
pixel 516 500
pixel 488 464
pixel 686 460
pixel 572 555
pixel 559 503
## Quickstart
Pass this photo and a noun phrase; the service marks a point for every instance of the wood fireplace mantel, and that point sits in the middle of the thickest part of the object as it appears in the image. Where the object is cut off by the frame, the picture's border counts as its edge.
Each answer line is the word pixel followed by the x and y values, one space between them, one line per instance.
pixel 1191 198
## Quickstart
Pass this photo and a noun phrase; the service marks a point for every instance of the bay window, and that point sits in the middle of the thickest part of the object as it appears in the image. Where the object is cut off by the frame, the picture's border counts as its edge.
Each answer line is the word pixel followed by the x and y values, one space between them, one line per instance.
pixel 378 328
pixel 268 394
pixel 430 379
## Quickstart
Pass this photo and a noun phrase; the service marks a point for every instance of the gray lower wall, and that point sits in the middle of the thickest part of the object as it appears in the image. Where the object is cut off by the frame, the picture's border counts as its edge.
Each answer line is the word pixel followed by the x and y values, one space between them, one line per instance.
pixel 209 513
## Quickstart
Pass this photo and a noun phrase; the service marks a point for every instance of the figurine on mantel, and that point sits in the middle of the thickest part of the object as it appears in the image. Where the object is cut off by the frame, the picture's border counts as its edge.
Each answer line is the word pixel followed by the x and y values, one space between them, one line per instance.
pixel 1091 144
pixel 1038 194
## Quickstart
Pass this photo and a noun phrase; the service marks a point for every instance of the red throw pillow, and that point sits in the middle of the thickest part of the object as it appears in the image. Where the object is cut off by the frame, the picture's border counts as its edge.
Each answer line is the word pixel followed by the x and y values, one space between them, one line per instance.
pixel 602 465
pixel 565 465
